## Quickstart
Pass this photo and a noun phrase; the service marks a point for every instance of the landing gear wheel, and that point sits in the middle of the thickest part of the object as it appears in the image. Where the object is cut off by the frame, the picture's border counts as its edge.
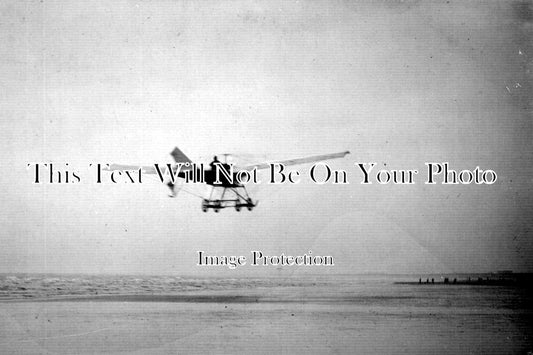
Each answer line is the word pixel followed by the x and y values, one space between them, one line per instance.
pixel 216 210
pixel 238 209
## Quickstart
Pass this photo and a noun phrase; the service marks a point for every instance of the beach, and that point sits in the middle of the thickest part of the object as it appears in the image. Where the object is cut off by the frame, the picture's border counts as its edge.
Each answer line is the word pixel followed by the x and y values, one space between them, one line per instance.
pixel 364 315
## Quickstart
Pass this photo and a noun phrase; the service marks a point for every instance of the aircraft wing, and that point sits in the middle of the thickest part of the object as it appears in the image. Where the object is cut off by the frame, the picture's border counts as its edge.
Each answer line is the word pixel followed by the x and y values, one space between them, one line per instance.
pixel 177 154
pixel 297 161
pixel 145 169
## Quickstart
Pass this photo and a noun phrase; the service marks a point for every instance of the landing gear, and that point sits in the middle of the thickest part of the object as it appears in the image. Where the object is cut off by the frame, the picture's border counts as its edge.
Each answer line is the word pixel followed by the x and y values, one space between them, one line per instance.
pixel 240 199
pixel 250 204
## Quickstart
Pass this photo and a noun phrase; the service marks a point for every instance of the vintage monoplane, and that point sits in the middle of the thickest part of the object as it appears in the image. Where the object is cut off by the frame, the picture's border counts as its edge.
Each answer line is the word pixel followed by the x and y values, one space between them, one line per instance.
pixel 225 180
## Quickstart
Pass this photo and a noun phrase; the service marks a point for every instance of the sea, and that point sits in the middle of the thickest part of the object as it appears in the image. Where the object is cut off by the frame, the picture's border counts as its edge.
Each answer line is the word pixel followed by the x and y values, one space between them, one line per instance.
pixel 392 290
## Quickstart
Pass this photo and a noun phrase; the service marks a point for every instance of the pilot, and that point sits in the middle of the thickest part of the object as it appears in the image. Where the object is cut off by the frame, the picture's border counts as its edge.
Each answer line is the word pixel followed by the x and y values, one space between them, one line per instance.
pixel 214 162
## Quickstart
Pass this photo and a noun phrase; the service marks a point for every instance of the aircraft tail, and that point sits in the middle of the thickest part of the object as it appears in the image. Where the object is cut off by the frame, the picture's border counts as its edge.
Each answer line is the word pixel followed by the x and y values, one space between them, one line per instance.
pixel 179 156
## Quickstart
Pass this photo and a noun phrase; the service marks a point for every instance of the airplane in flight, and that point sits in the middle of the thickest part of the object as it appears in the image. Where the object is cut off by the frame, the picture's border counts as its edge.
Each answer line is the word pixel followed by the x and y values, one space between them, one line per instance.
pixel 225 180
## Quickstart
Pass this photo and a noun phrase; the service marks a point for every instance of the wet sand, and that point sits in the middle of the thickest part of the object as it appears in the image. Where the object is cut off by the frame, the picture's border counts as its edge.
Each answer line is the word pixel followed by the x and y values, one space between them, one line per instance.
pixel 230 324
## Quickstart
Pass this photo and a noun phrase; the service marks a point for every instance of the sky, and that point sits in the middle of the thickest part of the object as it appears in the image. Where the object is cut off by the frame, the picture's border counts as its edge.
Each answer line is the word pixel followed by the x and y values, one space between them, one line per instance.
pixel 398 83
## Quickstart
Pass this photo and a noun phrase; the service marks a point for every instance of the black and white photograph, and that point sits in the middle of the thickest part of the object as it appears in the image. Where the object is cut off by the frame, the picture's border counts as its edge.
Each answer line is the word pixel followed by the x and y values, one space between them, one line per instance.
pixel 259 177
